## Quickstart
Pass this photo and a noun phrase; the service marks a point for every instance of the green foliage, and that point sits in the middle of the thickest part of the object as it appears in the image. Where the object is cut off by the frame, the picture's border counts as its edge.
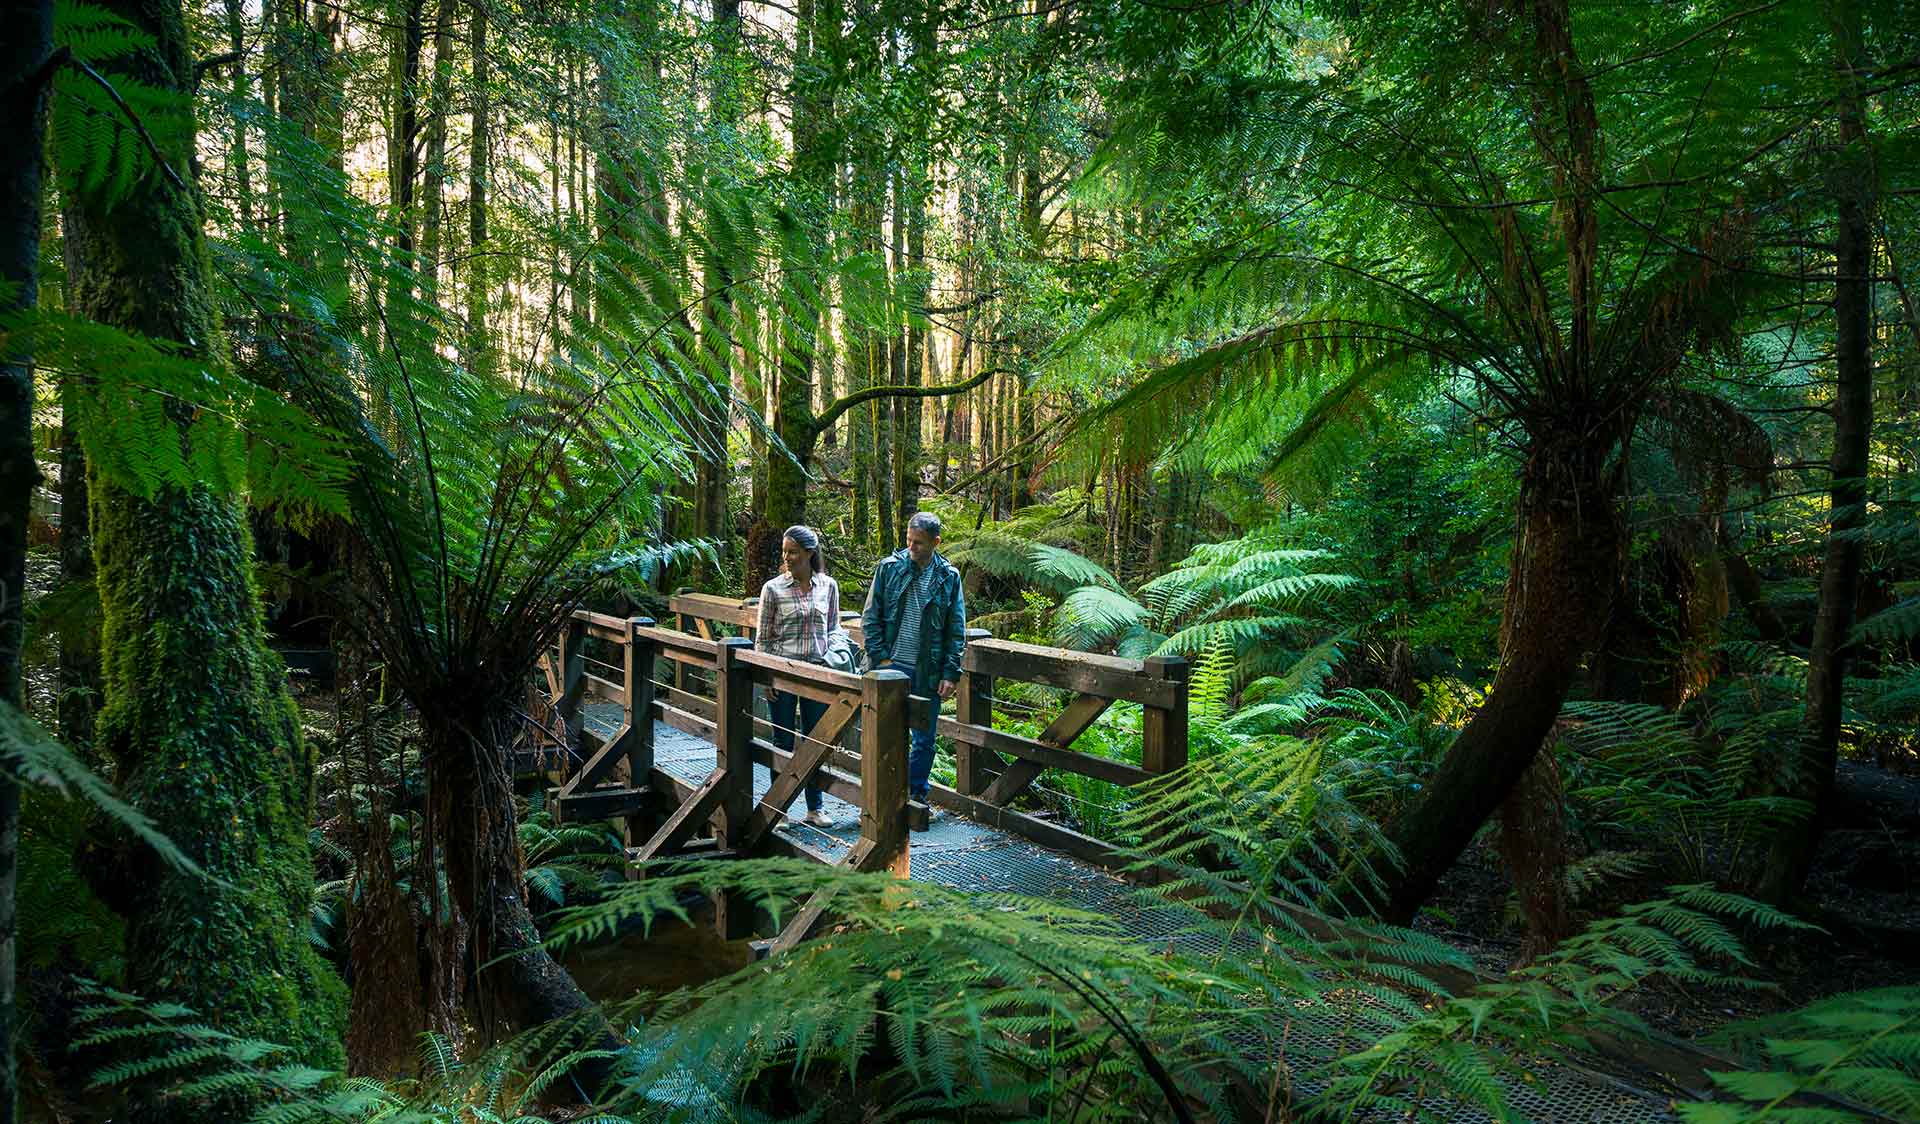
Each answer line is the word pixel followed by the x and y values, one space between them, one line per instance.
pixel 1641 773
pixel 33 758
pixel 1862 1048
pixel 92 141
pixel 1471 1042
pixel 161 1053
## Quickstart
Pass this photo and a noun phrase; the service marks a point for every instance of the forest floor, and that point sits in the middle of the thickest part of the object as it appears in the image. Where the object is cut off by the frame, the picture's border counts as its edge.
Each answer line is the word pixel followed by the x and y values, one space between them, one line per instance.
pixel 1864 892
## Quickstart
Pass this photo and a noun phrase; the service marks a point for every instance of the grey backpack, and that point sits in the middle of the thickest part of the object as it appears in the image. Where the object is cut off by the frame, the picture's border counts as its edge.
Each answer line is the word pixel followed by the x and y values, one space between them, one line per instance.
pixel 843 654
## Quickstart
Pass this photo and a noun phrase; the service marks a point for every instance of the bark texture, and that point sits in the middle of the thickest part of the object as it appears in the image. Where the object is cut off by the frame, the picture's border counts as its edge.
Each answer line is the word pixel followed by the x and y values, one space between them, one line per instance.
pixel 196 715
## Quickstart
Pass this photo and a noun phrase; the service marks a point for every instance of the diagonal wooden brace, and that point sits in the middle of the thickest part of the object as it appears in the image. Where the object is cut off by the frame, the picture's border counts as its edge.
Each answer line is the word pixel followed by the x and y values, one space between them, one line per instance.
pixel 811 914
pixel 687 818
pixel 600 764
pixel 1080 714
pixel 819 743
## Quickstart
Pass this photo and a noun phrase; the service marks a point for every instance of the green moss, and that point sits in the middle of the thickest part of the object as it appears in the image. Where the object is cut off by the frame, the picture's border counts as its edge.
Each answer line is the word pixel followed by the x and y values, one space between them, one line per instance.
pixel 199 721
pixel 195 710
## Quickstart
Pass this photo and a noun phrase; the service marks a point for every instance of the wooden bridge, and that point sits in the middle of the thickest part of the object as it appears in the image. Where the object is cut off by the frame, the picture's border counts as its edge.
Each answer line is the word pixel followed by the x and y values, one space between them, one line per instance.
pixel 688 765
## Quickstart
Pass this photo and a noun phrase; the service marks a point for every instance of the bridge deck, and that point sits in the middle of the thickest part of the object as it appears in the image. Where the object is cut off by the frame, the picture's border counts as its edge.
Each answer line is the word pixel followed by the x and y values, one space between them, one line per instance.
pixel 959 853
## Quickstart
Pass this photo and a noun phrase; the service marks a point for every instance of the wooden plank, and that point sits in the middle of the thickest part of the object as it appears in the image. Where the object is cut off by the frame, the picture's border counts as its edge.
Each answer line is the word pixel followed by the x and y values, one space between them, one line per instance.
pixel 806 689
pixel 605 689
pixel 974 767
pixel 790 670
pixel 1047 834
pixel 862 857
pixel 598 804
pixel 692 704
pixel 1107 676
pixel 600 626
pixel 690 816
pixel 685 721
pixel 687 657
pixel 1100 768
pixel 639 655
pixel 811 752
pixel 712 607
pixel 1013 781
pixel 679 641
pixel 1079 714
pixel 733 754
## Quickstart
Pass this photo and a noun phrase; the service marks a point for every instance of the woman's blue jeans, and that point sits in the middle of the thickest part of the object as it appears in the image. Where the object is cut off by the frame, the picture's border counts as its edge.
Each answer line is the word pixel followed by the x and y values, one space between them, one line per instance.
pixel 780 711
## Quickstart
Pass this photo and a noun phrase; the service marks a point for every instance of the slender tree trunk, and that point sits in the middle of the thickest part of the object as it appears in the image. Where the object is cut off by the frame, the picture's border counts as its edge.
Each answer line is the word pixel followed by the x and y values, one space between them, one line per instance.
pixel 907 447
pixel 23 54
pixel 242 86
pixel 196 711
pixel 479 347
pixel 1854 198
pixel 434 175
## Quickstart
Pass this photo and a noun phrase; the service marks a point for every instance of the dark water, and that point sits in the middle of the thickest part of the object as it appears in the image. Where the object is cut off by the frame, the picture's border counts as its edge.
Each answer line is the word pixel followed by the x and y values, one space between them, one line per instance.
pixel 674 955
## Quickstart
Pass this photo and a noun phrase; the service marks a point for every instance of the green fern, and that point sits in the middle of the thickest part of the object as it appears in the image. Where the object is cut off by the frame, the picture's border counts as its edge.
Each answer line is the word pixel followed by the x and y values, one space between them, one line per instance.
pixel 1862 1048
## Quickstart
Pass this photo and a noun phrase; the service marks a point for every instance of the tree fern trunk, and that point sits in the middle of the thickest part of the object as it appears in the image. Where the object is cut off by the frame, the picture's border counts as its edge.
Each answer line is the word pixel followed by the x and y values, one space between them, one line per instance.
pixel 196 712
pixel 515 982
pixel 1566 564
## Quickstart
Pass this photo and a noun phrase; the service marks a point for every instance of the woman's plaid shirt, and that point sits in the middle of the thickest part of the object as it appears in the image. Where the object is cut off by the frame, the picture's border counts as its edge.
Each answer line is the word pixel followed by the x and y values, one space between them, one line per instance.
pixel 795 624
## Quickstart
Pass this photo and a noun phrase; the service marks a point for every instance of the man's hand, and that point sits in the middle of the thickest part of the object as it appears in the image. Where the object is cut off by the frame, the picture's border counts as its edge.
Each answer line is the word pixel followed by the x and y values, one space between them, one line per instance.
pixel 947 688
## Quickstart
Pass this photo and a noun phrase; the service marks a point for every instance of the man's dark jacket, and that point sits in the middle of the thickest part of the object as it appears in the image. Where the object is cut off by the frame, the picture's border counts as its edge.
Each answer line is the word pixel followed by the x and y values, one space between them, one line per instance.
pixel 943 624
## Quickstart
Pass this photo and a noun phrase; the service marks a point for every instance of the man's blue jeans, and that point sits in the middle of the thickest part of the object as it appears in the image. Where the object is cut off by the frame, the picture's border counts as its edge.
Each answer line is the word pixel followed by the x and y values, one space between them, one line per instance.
pixel 780 712
pixel 920 753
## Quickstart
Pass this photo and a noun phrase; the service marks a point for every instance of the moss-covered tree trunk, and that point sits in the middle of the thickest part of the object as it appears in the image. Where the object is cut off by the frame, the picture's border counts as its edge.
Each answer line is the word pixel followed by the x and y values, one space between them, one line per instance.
pixel 196 714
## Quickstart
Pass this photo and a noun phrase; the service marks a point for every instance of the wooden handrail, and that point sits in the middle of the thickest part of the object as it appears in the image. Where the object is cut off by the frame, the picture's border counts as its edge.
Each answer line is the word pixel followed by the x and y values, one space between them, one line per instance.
pixel 992 766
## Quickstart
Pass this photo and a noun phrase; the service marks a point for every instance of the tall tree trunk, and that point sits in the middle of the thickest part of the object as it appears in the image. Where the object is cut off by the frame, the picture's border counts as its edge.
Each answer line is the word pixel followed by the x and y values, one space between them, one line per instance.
pixel 478 352
pixel 719 325
pixel 434 175
pixel 1854 199
pixel 196 711
pixel 907 441
pixel 237 152
pixel 23 55
pixel 403 165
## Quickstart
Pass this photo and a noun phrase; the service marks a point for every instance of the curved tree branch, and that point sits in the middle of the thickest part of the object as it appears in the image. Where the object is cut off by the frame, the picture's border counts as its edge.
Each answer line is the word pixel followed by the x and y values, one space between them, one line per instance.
pixel 832 413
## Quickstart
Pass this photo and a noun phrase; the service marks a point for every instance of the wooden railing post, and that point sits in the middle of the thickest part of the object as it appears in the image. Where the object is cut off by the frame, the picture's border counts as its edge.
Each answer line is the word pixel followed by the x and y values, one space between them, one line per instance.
pixel 1163 730
pixel 883 772
pixel 975 767
pixel 638 669
pixel 733 751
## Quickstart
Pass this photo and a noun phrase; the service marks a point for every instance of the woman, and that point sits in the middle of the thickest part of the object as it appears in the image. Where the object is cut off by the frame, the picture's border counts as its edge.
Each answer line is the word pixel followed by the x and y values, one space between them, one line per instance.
pixel 798 608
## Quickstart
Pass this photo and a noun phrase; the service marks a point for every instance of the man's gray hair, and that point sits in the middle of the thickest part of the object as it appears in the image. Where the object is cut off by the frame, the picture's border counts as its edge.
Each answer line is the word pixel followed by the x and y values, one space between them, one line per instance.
pixel 925 521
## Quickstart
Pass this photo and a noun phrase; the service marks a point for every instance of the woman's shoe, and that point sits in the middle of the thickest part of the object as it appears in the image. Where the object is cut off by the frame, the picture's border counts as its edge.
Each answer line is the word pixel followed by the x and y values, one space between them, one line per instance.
pixel 817 818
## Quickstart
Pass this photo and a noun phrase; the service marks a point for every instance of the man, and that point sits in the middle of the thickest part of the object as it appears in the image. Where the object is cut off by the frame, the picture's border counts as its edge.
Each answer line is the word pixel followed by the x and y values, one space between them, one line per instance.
pixel 916 622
